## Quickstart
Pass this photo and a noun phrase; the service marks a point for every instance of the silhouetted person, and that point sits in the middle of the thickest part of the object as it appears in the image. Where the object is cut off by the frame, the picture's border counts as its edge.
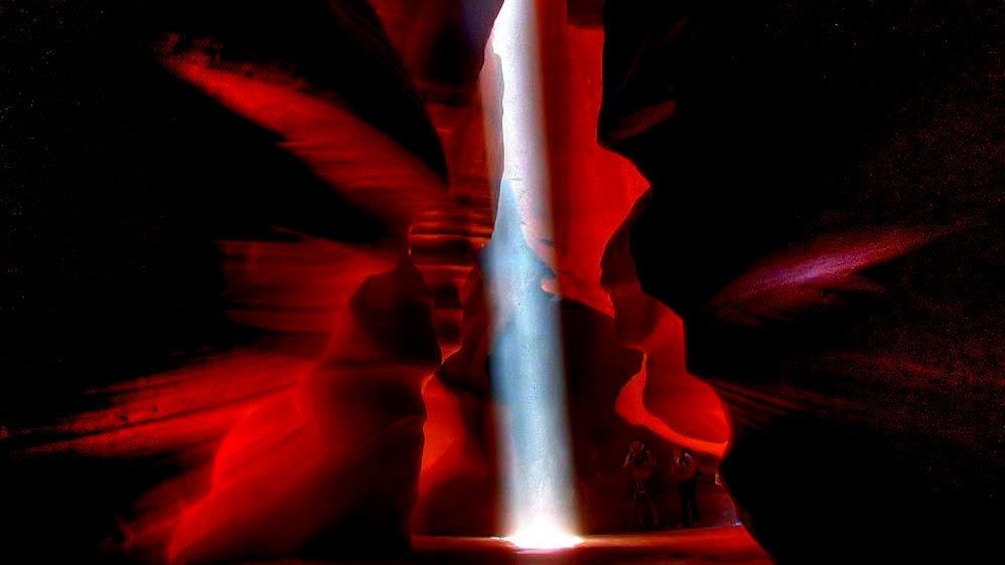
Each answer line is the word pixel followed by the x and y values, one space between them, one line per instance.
pixel 684 467
pixel 640 464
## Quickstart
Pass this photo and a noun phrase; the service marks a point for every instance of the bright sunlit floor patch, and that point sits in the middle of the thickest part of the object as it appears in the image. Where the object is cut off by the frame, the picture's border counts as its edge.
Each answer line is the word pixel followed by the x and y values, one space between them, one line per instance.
pixel 543 538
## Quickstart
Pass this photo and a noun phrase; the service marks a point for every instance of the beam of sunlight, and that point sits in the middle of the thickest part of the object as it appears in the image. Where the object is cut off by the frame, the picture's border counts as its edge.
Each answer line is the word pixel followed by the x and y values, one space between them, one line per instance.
pixel 527 361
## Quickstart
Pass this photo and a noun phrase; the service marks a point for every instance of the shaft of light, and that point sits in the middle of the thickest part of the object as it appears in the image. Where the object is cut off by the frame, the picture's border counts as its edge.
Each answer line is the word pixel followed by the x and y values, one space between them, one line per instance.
pixel 528 375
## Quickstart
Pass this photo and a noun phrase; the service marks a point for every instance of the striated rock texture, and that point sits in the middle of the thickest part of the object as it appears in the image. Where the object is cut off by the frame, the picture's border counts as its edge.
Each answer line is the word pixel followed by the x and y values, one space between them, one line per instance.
pixel 227 346
pixel 826 219
pixel 208 208
pixel 241 238
pixel 246 316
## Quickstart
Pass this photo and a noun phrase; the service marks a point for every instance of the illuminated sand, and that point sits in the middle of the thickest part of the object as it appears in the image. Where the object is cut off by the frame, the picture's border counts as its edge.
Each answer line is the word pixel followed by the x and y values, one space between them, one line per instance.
pixel 684 547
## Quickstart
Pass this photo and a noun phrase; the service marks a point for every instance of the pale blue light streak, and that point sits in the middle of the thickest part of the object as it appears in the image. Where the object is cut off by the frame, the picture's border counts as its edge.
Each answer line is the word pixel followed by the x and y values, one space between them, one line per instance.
pixel 528 373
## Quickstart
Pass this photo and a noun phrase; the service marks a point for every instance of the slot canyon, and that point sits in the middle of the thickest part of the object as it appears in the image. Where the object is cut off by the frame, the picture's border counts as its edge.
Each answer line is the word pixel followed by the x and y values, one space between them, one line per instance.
pixel 258 309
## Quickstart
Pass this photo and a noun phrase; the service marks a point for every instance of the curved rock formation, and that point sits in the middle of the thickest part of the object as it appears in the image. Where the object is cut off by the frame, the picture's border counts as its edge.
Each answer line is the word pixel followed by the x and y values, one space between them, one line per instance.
pixel 826 219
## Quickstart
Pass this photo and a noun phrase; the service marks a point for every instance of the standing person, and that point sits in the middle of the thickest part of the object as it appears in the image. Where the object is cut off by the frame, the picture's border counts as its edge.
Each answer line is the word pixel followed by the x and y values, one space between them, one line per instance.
pixel 640 464
pixel 684 467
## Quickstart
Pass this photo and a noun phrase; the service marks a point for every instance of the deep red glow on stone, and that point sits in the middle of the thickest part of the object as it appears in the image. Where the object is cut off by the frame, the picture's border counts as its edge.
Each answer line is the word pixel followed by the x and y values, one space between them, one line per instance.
pixel 292 430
